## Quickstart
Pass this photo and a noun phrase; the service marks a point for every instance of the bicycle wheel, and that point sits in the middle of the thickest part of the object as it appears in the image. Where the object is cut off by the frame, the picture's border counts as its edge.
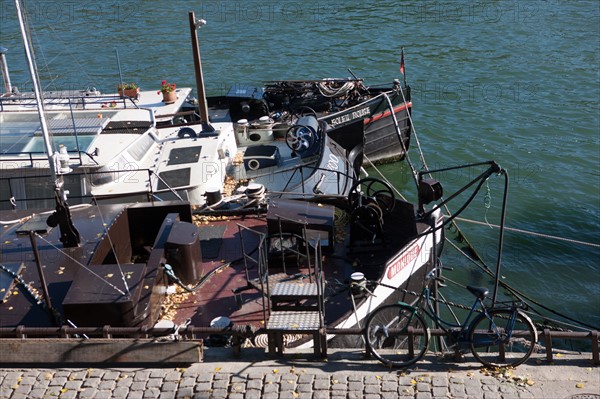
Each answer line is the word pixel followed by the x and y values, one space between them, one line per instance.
pixel 505 338
pixel 390 339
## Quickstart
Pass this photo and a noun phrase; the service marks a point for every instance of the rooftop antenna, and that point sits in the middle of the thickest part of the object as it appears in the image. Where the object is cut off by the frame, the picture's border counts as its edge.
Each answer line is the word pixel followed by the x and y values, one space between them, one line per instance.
pixel 58 162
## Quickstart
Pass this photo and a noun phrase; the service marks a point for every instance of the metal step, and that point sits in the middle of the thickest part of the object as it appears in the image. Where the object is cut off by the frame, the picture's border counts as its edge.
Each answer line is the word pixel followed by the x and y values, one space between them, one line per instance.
pixel 294 322
pixel 295 296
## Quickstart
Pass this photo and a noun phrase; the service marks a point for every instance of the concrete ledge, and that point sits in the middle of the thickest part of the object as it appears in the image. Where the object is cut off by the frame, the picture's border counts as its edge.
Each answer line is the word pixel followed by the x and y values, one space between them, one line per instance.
pixel 55 350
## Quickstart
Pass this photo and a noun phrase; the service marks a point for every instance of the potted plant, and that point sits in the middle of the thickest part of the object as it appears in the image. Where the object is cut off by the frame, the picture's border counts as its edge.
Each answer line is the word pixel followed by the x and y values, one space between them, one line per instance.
pixel 168 91
pixel 129 90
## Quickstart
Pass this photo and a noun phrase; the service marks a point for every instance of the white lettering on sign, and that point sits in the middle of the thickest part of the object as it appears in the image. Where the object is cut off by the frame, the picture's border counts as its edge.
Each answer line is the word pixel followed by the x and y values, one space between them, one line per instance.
pixel 400 263
pixel 333 163
pixel 350 117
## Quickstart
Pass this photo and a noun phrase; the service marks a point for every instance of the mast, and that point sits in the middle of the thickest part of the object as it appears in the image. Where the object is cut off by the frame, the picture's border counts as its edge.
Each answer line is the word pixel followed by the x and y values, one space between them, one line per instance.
pixel 5 75
pixel 69 235
pixel 202 105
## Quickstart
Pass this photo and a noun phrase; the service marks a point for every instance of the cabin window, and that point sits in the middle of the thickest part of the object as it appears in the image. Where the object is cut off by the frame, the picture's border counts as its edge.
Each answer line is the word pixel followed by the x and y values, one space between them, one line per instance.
pixel 179 156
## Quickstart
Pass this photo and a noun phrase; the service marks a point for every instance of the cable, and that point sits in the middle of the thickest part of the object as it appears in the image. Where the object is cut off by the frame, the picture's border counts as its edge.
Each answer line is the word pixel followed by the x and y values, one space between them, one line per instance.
pixel 528 232
pixel 169 271
pixel 518 293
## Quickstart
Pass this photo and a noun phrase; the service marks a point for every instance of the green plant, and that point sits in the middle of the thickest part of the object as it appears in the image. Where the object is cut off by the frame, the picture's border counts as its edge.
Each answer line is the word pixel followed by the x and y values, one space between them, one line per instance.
pixel 128 86
pixel 167 87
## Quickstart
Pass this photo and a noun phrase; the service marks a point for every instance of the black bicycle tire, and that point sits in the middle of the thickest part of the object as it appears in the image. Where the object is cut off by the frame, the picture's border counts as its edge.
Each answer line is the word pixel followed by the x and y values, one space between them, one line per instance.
pixel 496 313
pixel 382 358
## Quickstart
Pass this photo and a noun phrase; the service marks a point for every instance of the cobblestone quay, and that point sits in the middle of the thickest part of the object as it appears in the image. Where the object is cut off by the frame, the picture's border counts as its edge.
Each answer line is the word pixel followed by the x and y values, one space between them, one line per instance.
pixel 345 375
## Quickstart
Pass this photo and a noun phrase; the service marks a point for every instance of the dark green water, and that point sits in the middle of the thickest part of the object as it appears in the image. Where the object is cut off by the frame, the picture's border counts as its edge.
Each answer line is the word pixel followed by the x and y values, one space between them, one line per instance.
pixel 517 82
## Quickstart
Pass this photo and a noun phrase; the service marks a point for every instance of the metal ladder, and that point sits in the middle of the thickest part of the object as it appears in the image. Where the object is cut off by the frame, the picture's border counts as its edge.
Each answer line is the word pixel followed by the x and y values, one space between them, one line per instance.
pixel 298 308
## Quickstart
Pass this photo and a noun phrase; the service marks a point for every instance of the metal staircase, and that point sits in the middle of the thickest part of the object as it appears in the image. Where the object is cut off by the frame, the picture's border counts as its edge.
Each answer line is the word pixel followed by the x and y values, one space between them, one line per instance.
pixel 298 308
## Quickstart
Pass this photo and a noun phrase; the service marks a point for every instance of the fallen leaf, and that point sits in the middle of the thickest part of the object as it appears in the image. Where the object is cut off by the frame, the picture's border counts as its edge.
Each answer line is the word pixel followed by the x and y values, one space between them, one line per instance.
pixel 109 275
pixel 413 382
pixel 579 385
pixel 275 371
pixel 217 368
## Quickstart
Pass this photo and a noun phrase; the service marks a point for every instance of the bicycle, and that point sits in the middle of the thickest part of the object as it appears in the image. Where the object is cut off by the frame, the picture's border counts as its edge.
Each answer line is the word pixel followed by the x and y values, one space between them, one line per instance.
pixel 398 336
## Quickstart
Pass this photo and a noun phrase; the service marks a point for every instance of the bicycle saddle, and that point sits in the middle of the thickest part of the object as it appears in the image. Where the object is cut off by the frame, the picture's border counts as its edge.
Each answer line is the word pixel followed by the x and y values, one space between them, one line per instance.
pixel 479 292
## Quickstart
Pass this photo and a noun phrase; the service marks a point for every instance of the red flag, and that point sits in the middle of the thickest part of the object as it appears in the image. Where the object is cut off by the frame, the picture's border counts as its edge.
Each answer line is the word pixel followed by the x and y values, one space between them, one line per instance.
pixel 402 62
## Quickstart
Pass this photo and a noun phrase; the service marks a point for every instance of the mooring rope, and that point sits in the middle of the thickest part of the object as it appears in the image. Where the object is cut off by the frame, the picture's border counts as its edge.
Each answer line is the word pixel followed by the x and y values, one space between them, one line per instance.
pixel 521 296
pixel 528 232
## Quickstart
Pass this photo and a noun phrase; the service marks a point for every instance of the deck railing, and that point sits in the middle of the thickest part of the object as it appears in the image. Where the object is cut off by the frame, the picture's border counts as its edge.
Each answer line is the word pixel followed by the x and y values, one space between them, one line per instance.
pixel 79 101
pixel 13 199
pixel 194 332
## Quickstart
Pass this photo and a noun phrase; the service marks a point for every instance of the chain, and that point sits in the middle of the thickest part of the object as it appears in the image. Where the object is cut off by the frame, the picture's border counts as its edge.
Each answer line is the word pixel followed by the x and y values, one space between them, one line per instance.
pixel 26 287
pixel 487 201
pixel 38 300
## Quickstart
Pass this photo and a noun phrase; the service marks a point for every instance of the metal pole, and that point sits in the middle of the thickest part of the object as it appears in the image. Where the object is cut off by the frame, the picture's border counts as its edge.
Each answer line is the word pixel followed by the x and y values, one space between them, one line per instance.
pixel 501 239
pixel 62 216
pixel 5 75
pixel 40 269
pixel 203 108
pixel 38 96
pixel 120 74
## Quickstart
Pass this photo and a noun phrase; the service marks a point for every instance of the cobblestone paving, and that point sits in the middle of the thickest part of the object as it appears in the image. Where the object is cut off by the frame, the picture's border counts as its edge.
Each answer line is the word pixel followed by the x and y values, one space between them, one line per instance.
pixel 293 384
pixel 279 380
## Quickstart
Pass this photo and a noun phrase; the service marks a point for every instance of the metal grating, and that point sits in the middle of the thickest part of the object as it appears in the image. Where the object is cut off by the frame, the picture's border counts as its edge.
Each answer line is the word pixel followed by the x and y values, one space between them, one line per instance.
pixel 294 321
pixel 65 127
pixel 297 289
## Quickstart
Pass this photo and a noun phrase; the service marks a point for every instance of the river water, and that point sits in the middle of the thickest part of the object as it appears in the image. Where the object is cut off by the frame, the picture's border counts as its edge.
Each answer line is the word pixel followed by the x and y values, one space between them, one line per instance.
pixel 512 81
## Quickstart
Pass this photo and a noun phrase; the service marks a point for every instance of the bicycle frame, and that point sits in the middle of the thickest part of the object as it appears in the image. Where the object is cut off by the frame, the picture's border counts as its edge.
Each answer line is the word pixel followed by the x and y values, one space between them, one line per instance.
pixel 425 306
